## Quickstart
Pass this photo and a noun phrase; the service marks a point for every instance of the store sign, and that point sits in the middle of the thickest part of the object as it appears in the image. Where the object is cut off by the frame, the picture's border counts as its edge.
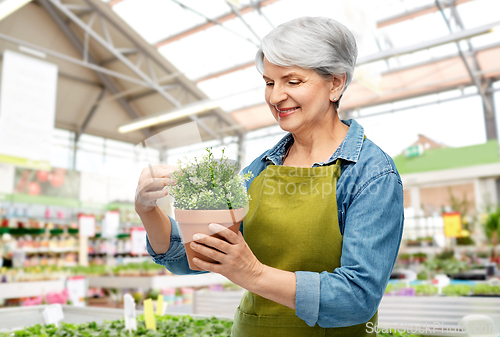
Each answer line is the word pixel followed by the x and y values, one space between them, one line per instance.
pixel 452 225
pixel 110 224
pixel 77 290
pixel 86 225
pixel 138 239
pixel 414 151
pixel 7 178
pixel 53 314
pixel 27 110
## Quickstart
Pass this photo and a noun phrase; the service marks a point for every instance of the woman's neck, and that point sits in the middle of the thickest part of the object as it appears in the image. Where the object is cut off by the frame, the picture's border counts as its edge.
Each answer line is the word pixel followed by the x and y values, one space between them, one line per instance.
pixel 316 145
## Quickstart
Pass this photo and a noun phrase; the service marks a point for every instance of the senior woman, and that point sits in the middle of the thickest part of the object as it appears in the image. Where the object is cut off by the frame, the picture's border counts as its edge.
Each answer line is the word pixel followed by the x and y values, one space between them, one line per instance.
pixel 326 213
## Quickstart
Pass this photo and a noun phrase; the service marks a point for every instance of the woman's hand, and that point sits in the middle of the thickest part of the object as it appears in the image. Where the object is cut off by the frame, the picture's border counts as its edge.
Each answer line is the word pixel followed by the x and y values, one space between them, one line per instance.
pixel 236 260
pixel 150 187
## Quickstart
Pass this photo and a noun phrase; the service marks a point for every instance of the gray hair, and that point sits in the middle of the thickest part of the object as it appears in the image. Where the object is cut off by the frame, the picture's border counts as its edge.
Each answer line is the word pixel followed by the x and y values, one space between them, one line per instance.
pixel 318 43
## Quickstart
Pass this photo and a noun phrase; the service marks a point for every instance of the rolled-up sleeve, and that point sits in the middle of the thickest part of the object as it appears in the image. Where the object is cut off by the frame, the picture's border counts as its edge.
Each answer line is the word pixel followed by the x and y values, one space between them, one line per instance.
pixel 175 259
pixel 373 228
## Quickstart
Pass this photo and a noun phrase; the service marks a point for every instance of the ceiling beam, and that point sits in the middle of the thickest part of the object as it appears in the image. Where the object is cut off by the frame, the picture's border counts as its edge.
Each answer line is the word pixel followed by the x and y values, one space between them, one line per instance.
pixel 114 2
pixel 73 60
pixel 110 47
pixel 454 37
pixel 89 116
pixel 475 79
pixel 225 71
pixel 220 19
pixel 108 84
pixel 72 77
pixel 150 52
pixel 413 13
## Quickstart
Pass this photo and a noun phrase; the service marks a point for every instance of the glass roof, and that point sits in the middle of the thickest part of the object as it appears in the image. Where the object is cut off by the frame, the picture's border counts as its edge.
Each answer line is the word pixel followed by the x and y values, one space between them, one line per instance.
pixel 234 42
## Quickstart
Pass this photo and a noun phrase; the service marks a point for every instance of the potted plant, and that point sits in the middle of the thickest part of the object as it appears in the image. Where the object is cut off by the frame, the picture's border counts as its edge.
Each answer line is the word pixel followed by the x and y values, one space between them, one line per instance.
pixel 208 190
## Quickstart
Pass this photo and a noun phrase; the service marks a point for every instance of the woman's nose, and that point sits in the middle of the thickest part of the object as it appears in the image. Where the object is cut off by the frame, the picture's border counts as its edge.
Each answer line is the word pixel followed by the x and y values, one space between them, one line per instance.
pixel 277 96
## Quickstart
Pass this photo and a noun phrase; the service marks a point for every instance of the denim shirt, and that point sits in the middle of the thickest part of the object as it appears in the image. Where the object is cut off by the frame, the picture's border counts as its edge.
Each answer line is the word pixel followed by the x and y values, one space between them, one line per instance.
pixel 370 214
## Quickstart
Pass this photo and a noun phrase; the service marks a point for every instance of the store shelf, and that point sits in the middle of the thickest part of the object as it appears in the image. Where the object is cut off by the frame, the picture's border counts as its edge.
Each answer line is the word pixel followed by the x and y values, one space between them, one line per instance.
pixel 156 282
pixel 218 303
pixel 29 289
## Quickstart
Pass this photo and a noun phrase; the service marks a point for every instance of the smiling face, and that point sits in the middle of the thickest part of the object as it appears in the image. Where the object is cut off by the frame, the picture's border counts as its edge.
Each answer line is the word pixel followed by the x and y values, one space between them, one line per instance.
pixel 300 99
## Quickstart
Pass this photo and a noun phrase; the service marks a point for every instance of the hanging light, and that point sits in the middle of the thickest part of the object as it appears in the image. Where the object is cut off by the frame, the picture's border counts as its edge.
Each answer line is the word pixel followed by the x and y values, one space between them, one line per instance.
pixel 189 109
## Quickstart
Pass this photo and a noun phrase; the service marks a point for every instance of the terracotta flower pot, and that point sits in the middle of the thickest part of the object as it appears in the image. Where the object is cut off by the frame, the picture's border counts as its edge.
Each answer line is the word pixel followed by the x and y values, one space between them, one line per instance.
pixel 196 221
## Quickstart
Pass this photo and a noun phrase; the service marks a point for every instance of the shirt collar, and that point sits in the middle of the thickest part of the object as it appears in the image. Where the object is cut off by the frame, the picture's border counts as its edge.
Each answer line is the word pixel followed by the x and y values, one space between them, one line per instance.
pixel 348 150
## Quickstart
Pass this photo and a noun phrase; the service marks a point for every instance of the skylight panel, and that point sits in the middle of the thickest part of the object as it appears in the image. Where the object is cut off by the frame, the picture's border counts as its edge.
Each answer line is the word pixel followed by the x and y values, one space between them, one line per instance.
pixel 245 86
pixel 209 51
pixel 478 12
pixel 258 24
pixel 211 9
pixel 414 58
pixel 487 39
pixel 449 49
pixel 388 8
pixel 155 20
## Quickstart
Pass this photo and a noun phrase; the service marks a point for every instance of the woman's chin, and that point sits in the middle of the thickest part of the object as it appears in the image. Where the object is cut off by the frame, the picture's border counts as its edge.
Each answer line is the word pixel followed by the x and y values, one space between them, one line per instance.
pixel 287 126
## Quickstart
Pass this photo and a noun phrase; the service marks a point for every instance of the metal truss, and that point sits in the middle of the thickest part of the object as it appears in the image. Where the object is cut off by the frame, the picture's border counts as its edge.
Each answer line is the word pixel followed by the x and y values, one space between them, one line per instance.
pixel 155 76
pixel 473 70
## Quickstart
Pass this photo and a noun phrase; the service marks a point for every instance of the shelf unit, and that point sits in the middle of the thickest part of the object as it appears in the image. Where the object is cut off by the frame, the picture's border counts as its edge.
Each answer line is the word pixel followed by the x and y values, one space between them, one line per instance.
pixel 156 282
pixel 30 289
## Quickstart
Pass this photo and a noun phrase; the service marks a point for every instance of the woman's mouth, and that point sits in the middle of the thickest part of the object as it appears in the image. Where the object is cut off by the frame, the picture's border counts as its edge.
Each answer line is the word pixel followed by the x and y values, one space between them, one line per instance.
pixel 286 111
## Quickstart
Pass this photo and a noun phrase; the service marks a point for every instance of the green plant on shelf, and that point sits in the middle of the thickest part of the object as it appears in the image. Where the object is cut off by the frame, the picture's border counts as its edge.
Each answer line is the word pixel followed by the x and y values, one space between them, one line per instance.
pixel 425 289
pixel 457 290
pixel 419 257
pixel 492 230
pixel 45 273
pixel 486 289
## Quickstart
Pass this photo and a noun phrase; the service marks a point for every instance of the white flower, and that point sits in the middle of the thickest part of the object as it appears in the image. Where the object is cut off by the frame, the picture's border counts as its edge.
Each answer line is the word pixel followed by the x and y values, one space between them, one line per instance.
pixel 196 181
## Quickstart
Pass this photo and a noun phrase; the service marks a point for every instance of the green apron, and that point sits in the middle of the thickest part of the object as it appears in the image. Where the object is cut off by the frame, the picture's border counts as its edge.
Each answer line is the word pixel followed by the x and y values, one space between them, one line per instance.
pixel 292 225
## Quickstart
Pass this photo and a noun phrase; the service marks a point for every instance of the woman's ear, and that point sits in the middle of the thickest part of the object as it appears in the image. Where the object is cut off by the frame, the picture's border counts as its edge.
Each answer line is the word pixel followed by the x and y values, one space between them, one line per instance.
pixel 337 88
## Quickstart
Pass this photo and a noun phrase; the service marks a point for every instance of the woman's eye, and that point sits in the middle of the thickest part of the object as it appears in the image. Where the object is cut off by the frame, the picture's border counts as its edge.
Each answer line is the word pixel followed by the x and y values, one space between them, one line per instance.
pixel 294 82
pixel 269 83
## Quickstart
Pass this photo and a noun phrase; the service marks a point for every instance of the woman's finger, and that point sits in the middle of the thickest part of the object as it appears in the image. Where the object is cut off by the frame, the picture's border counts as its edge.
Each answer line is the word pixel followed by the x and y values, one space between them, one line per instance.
pixel 156 184
pixel 208 266
pixel 213 242
pixel 163 171
pixel 207 251
pixel 225 232
pixel 152 196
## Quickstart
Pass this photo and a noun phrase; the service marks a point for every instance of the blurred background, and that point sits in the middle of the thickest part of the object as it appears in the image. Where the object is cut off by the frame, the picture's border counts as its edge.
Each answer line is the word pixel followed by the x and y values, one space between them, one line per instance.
pixel 85 82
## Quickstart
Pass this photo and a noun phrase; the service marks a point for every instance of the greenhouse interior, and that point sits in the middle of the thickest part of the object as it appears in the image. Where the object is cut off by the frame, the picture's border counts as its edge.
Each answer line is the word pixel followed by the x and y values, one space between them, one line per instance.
pixel 140 86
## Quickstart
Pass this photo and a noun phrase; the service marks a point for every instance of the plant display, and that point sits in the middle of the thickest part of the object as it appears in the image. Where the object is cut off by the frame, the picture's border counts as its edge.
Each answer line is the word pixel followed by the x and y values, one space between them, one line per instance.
pixel 209 184
pixel 457 290
pixel 448 266
pixel 425 290
pixel 492 229
pixel 46 273
pixel 420 257
pixel 166 325
pixel 486 289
